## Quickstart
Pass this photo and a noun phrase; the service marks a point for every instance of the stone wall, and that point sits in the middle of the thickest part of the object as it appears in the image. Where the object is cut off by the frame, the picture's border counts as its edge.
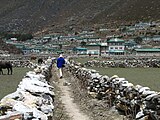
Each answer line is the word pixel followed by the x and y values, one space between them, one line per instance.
pixel 134 101
pixel 33 98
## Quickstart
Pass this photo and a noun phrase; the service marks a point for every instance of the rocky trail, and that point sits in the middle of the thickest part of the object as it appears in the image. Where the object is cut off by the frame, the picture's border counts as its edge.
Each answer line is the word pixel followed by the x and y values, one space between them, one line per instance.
pixel 71 108
pixel 72 101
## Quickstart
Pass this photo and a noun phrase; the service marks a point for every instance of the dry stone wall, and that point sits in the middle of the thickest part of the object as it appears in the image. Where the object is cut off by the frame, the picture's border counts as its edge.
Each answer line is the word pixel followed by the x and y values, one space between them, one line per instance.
pixel 125 63
pixel 33 99
pixel 134 101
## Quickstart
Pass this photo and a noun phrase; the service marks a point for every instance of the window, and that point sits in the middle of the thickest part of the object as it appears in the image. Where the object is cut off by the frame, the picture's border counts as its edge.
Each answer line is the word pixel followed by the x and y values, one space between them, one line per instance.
pixel 116 48
pixel 111 47
pixel 120 48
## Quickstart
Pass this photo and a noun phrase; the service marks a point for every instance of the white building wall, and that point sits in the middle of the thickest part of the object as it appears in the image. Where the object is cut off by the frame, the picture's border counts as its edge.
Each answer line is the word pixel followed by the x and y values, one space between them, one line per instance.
pixel 92 51
pixel 116 47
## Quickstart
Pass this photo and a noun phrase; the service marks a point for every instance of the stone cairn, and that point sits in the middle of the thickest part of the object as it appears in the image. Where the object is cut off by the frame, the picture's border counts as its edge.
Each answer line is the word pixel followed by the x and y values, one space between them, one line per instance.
pixel 133 101
pixel 33 99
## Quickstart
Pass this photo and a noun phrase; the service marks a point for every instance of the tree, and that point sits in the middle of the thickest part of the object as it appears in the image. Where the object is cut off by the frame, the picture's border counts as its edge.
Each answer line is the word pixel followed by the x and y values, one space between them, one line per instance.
pixel 138 40
pixel 60 46
pixel 123 29
pixel 83 43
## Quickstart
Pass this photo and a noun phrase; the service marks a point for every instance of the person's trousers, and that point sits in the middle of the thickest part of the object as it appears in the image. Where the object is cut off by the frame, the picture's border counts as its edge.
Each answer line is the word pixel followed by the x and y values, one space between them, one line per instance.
pixel 60 72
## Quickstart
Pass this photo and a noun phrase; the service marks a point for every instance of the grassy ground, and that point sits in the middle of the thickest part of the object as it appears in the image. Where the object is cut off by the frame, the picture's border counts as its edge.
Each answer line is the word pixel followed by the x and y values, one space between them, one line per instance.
pixel 85 59
pixel 9 83
pixel 143 76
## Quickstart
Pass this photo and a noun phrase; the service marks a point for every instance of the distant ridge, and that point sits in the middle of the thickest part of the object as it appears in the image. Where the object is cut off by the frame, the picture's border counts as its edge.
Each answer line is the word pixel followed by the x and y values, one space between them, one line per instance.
pixel 36 15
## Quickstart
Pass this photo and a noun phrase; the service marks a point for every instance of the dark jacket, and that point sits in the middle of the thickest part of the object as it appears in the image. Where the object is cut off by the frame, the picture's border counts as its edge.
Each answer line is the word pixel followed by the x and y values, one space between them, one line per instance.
pixel 60 62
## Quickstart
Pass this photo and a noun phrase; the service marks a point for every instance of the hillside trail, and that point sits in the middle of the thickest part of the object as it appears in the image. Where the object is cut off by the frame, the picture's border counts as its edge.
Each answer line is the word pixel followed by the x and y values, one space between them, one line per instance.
pixel 71 108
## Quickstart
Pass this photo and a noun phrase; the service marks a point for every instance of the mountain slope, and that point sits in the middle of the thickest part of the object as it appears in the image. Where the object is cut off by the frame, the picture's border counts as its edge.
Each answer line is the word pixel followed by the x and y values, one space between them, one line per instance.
pixel 35 15
pixel 128 10
pixel 8 47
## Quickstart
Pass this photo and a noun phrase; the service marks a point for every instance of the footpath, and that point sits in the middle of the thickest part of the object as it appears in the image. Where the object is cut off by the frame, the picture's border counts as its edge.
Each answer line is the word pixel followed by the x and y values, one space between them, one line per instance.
pixel 66 98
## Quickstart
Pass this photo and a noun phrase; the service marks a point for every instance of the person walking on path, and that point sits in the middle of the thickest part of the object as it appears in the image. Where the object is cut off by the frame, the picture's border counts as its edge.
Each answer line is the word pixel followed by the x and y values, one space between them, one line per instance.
pixel 60 65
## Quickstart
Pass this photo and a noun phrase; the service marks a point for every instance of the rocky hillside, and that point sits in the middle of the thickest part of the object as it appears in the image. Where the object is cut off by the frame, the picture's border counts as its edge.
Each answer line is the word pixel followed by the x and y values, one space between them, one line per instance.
pixel 38 15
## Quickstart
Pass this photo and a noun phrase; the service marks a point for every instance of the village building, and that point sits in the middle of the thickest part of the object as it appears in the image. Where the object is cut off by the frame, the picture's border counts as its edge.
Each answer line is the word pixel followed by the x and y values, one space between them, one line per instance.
pixel 93 48
pixel 80 50
pixel 131 44
pixel 148 52
pixel 103 49
pixel 155 38
pixel 116 46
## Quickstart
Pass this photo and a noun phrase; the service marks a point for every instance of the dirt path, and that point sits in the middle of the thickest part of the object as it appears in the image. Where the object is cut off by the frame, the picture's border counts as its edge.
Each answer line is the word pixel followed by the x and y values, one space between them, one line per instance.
pixel 66 97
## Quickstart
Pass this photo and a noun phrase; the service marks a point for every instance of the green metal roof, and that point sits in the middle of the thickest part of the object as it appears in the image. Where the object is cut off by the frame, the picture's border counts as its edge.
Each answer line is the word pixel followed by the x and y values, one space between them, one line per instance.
pixel 9 41
pixel 21 46
pixel 115 40
pixel 60 51
pixel 50 48
pixel 70 37
pixel 29 41
pixel 90 37
pixel 95 44
pixel 27 49
pixel 79 49
pixel 148 50
pixel 130 43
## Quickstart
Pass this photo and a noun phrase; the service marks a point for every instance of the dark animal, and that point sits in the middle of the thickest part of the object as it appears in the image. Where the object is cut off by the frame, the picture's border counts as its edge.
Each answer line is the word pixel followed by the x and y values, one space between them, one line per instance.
pixel 6 65
pixel 33 58
pixel 40 61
